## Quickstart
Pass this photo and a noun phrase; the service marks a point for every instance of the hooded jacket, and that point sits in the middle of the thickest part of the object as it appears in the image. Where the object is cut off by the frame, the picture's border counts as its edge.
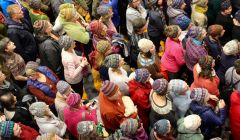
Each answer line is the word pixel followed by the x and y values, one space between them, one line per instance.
pixel 235 114
pixel 186 134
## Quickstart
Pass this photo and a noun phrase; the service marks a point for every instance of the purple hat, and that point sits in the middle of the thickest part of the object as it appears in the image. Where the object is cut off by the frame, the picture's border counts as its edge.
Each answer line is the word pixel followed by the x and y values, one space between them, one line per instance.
pixel 195 32
pixel 183 22
pixel 109 88
pixel 199 94
pixel 160 86
pixel 142 75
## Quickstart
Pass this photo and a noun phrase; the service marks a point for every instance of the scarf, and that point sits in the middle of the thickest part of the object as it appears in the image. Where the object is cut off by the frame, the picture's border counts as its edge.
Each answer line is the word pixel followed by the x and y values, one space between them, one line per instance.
pixel 200 9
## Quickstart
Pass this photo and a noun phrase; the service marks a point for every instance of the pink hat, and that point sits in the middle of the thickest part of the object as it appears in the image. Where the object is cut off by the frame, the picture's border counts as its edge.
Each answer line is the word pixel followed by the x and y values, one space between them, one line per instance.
pixel 73 99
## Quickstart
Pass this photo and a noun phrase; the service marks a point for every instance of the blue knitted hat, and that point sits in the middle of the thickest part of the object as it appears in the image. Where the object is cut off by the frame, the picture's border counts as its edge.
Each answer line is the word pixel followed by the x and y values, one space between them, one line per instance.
pixel 6 129
pixel 142 75
pixel 162 127
pixel 183 22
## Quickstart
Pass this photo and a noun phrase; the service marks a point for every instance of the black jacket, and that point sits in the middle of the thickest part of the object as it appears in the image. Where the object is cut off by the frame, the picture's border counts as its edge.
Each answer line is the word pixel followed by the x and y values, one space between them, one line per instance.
pixel 21 35
pixel 236 32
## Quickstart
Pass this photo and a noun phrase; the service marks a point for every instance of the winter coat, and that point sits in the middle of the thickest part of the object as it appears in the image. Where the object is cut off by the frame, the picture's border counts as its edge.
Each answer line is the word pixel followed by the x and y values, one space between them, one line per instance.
pixel 210 85
pixel 139 93
pixel 193 53
pixel 198 18
pixel 49 53
pixel 210 120
pixel 28 133
pixel 72 116
pixel 236 32
pixel 173 57
pixel 173 14
pixel 235 114
pixel 214 6
pixel 227 61
pixel 21 35
pixel 232 76
pixel 227 23
pixel 60 104
pixel 139 135
pixel 186 134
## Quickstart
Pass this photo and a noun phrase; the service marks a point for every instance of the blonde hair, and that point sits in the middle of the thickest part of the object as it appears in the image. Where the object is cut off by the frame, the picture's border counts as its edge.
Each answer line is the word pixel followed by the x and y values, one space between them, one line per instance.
pixel 117 70
pixel 30 72
pixel 11 9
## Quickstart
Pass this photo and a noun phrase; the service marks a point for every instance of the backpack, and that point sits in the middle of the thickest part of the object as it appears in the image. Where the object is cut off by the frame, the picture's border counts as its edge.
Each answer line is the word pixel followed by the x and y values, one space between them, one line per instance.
pixel 227 90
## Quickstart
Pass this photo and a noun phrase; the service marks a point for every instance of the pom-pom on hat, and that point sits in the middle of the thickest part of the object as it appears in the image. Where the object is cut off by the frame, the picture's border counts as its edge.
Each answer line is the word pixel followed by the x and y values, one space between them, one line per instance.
pixel 109 88
pixel 160 86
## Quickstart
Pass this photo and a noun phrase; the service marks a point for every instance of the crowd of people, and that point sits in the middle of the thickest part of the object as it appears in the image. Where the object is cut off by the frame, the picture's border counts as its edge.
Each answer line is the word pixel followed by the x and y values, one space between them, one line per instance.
pixel 120 69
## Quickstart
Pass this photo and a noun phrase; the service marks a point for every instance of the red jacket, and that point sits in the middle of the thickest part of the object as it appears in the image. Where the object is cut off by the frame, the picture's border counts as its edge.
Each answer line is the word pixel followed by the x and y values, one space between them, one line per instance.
pixel 28 133
pixel 139 93
pixel 235 114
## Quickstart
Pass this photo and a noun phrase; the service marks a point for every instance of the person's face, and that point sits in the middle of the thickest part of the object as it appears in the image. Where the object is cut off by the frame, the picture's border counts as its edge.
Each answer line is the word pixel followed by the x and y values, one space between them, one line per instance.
pixel 159 2
pixel 121 62
pixel 203 35
pixel 152 50
pixel 18 13
pixel 116 96
pixel 2 76
pixel 222 33
pixel 17 130
pixel 136 3
pixel 10 47
pixel 213 63
pixel 183 6
pixel 186 87
pixel 228 11
pixel 47 111
pixel 68 92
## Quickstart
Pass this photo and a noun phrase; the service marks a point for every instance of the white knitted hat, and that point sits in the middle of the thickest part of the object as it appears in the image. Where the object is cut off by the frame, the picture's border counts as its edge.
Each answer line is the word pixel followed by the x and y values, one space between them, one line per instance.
pixel 192 122
pixel 231 48
pixel 145 45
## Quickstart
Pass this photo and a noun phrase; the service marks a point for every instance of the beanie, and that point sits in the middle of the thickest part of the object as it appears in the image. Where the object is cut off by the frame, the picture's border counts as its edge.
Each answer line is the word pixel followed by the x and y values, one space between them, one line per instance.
pixel 65 42
pixel 177 85
pixel 109 88
pixel 38 109
pixel 215 30
pixel 177 3
pixel 231 47
pixel 162 127
pixel 83 4
pixel 129 126
pixel 195 32
pixel 6 129
pixel 199 94
pixel 237 16
pixel 171 31
pixel 40 26
pixel 112 61
pixel 225 4
pixel 73 99
pixel 85 128
pixel 35 4
pixel 192 122
pixel 103 46
pixel 62 86
pixel 96 27
pixel 141 75
pixel 102 10
pixel 145 45
pixel 183 21
pixel 32 65
pixel 160 86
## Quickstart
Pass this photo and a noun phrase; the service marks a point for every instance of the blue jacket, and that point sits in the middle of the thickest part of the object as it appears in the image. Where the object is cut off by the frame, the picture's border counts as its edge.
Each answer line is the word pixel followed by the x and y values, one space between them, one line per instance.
pixel 209 118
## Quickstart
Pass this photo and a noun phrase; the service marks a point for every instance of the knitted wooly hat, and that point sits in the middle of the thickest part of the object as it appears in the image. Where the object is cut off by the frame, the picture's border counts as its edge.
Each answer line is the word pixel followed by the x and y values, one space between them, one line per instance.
pixel 171 31
pixel 103 46
pixel 62 86
pixel 225 5
pixel 112 61
pixel 145 45
pixel 160 86
pixel 73 100
pixel 65 42
pixel 192 122
pixel 35 4
pixel 177 3
pixel 108 88
pixel 85 128
pixel 199 94
pixel 215 30
pixel 231 48
pixel 183 21
pixel 38 109
pixel 177 85
pixel 83 4
pixel 129 126
pixel 6 129
pixel 162 127
pixel 195 32
pixel 141 75
pixel 96 27
pixel 237 16
pixel 40 26
pixel 103 10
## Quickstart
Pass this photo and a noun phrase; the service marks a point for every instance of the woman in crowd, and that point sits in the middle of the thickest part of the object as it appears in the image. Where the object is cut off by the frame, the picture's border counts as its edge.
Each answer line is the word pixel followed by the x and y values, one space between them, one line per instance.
pixel 199 9
pixel 175 9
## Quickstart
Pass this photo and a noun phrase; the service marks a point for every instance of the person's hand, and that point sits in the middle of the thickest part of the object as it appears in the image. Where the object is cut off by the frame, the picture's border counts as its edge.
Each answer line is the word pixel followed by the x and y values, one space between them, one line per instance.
pixel 84 61
pixel 214 98
pixel 221 104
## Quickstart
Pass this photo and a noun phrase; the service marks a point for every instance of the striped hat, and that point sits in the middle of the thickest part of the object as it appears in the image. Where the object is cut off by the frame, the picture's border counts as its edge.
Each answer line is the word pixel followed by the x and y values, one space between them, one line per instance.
pixel 160 86
pixel 177 3
pixel 62 86
pixel 38 109
pixel 6 129
pixel 162 127
pixel 199 94
pixel 142 75
pixel 112 61
pixel 129 126
pixel 177 85
pixel 109 88
pixel 195 32
pixel 103 46
pixel 73 100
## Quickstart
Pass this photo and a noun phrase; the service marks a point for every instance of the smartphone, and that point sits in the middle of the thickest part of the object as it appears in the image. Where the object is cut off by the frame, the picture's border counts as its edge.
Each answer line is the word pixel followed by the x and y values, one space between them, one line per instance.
pixel 93 104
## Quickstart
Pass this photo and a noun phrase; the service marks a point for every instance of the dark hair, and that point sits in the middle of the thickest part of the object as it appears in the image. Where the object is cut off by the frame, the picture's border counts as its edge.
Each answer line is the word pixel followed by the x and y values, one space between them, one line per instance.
pixel 138 24
pixel 237 64
pixel 205 63
pixel 3 44
pixel 6 103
